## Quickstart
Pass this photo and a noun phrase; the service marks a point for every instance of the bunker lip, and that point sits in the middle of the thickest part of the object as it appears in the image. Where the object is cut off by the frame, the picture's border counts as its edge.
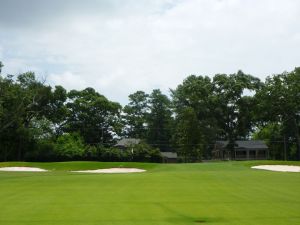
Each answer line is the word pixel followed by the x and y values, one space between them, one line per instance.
pixel 278 168
pixel 112 170
pixel 22 169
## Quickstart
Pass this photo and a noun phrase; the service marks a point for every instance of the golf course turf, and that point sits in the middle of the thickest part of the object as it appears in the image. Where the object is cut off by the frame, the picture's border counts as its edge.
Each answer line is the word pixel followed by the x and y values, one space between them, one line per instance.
pixel 203 193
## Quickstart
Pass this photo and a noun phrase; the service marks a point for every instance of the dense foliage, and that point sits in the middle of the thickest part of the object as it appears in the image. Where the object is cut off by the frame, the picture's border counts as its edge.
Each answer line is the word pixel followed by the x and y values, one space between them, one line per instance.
pixel 43 123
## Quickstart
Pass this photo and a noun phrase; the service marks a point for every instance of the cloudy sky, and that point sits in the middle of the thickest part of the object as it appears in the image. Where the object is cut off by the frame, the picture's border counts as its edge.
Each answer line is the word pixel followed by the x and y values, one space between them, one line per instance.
pixel 120 46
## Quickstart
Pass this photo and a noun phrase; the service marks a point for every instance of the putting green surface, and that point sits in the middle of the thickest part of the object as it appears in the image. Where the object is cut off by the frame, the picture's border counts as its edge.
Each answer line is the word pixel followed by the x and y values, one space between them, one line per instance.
pixel 205 193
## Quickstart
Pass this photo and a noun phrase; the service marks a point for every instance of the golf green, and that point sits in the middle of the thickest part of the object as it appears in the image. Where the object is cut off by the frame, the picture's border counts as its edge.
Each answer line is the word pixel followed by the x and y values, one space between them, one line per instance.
pixel 203 193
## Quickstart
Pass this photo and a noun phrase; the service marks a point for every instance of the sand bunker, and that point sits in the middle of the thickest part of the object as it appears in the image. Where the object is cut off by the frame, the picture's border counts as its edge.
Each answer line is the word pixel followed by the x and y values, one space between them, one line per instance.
pixel 279 168
pixel 112 170
pixel 22 169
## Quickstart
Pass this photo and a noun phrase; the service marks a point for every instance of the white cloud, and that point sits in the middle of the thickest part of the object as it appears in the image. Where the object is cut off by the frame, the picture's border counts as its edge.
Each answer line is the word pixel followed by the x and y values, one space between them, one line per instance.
pixel 156 44
pixel 68 80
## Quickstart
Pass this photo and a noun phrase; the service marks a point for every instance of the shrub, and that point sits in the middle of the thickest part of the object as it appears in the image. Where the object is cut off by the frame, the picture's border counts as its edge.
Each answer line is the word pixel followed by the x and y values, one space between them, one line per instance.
pixel 114 154
pixel 145 153
pixel 42 152
pixel 91 153
pixel 69 146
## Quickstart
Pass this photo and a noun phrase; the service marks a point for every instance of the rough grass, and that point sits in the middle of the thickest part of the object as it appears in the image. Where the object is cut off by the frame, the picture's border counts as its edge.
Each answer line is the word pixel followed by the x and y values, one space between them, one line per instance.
pixel 205 193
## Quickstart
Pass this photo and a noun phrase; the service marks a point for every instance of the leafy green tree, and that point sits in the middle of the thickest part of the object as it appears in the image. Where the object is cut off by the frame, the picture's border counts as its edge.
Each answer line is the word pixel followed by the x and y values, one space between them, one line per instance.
pixel 69 146
pixel 234 110
pixel 1 65
pixel 135 115
pixel 279 102
pixel 22 100
pixel 272 135
pixel 11 103
pixel 188 136
pixel 11 118
pixel 57 109
pixel 194 105
pixel 29 112
pixel 159 121
pixel 93 116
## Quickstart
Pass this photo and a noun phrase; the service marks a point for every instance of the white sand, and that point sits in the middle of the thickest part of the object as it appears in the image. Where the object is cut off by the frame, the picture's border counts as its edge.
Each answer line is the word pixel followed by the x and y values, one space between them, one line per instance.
pixel 112 170
pixel 22 169
pixel 279 168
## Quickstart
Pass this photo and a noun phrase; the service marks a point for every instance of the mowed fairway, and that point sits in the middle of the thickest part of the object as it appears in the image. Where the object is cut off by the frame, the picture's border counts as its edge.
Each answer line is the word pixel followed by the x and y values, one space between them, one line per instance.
pixel 204 193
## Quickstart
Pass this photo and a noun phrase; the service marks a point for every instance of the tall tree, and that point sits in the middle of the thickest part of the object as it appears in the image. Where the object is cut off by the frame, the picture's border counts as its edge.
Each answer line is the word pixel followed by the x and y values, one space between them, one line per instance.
pixel 57 109
pixel 188 136
pixel 159 120
pixel 194 100
pixel 272 134
pixel 93 116
pixel 279 102
pixel 135 115
pixel 1 65
pixel 22 101
pixel 233 109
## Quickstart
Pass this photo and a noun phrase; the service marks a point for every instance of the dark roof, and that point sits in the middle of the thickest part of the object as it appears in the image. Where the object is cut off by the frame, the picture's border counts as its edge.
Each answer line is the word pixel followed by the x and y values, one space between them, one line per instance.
pixel 169 155
pixel 127 142
pixel 253 144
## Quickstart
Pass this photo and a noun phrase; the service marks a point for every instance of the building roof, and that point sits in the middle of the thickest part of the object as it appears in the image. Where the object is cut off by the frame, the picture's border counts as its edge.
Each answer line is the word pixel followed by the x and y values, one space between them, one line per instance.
pixel 253 144
pixel 169 155
pixel 127 142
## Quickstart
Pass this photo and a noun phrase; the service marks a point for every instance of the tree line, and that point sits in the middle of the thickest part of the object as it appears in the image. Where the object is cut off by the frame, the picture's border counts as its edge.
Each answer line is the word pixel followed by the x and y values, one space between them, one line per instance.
pixel 44 123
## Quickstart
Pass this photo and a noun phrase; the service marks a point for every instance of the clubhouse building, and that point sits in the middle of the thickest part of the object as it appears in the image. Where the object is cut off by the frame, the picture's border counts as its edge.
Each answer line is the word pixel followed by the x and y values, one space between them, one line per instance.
pixel 243 150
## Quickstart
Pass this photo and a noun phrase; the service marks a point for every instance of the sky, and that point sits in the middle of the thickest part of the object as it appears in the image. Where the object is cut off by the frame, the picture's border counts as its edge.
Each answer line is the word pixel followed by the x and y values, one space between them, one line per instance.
pixel 121 46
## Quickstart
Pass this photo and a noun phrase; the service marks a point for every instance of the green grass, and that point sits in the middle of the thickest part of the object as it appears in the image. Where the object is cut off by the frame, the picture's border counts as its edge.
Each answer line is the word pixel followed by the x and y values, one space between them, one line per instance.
pixel 208 193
